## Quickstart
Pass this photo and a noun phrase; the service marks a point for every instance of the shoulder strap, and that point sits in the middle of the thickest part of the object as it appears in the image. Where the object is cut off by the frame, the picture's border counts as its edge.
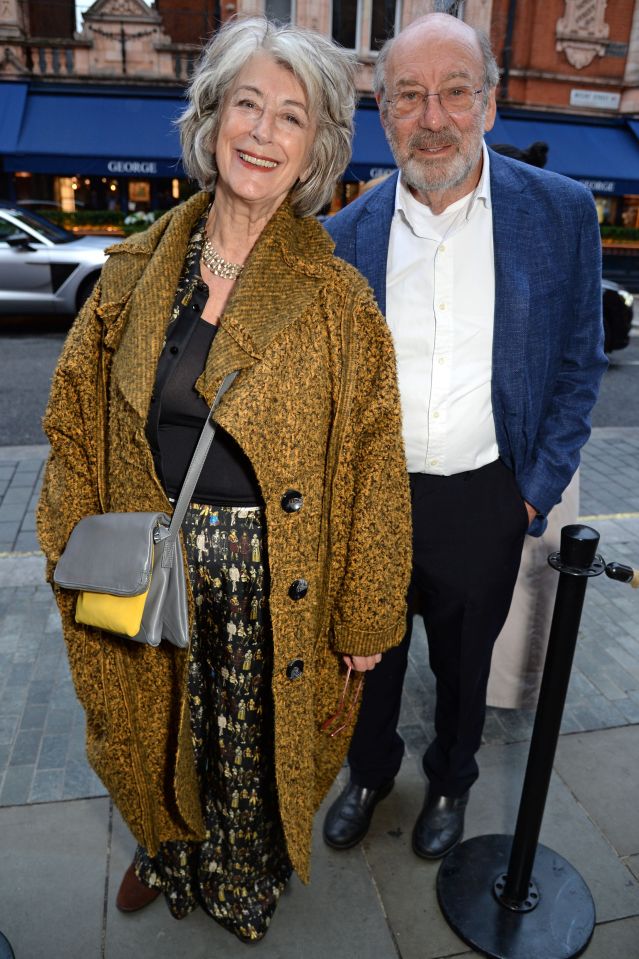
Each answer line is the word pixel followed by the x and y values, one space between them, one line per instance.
pixel 193 473
pixel 100 427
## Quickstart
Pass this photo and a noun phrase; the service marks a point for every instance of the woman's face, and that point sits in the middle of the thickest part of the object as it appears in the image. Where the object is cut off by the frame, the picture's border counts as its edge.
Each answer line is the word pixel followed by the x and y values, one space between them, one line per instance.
pixel 265 136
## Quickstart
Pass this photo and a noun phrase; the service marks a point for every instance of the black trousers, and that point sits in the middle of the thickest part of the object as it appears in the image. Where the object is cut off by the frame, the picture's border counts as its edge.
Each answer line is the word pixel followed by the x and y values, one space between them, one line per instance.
pixel 468 534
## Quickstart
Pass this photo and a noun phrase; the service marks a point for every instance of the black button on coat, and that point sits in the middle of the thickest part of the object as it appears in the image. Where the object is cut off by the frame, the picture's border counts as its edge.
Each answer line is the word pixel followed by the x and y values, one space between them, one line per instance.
pixel 298 589
pixel 292 501
pixel 295 669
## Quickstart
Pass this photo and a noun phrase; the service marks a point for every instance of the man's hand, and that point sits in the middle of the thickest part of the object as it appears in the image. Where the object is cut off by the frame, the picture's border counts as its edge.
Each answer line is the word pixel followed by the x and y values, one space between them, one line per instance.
pixel 532 512
pixel 362 663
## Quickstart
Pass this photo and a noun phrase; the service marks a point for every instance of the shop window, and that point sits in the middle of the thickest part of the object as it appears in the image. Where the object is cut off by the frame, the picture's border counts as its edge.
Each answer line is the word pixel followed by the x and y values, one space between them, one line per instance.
pixel 606 210
pixel 630 211
pixel 65 192
pixel 139 194
pixel 280 10
pixel 365 25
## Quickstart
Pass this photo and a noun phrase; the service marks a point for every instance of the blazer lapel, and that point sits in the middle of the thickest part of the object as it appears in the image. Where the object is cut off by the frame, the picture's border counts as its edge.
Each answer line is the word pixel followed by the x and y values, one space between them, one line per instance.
pixel 511 241
pixel 373 231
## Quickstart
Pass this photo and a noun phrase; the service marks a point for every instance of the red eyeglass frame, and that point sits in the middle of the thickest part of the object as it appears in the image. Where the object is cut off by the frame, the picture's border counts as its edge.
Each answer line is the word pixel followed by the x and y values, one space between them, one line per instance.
pixel 344 711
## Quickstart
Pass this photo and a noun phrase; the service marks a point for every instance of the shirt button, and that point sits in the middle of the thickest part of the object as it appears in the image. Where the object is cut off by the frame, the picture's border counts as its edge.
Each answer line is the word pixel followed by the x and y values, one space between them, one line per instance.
pixel 442 248
pixel 442 306
pixel 434 462
pixel 441 360
pixel 174 350
pixel 435 415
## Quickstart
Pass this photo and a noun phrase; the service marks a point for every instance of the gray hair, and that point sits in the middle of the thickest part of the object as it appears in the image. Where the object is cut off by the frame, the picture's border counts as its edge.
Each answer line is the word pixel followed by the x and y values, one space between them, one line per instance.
pixel 327 75
pixel 491 70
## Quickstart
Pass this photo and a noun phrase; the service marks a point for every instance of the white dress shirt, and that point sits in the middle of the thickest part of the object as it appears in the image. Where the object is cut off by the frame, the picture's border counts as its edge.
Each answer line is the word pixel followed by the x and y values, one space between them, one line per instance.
pixel 440 299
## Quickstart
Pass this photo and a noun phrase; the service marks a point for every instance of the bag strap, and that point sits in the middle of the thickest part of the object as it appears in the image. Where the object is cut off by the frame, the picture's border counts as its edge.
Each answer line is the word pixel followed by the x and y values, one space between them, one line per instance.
pixel 193 474
pixel 100 426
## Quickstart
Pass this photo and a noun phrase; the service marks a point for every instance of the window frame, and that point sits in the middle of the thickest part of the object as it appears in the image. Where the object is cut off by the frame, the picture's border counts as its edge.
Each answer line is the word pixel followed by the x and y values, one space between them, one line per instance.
pixel 365 17
pixel 293 15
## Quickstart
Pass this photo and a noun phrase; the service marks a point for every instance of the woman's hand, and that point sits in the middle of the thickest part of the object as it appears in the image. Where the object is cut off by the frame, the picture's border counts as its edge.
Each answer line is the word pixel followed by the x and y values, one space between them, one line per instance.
pixel 362 663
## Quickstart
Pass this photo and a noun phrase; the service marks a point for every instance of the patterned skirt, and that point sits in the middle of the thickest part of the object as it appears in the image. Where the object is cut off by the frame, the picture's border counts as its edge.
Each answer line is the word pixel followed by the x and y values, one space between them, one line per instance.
pixel 239 871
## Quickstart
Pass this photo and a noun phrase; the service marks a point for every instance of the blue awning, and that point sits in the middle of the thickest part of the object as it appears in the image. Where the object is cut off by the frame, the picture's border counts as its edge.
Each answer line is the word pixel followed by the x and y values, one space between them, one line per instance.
pixel 107 135
pixel 497 134
pixel 603 157
pixel 13 97
pixel 372 156
pixel 634 126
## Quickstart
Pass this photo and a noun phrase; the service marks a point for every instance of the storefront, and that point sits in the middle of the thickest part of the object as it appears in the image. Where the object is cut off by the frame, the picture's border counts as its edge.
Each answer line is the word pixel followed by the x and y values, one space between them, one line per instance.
pixel 603 155
pixel 91 148
pixel 117 148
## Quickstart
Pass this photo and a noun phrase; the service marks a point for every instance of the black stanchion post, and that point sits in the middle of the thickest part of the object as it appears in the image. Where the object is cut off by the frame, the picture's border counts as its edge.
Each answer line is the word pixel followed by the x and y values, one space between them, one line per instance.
pixel 486 887
pixel 574 562
pixel 6 952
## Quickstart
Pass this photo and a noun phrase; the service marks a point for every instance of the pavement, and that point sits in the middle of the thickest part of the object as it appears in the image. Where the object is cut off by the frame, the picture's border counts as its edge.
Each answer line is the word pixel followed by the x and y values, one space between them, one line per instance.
pixel 64 848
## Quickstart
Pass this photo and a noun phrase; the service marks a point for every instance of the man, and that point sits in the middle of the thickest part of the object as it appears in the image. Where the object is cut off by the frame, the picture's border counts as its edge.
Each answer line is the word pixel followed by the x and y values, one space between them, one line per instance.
pixel 488 272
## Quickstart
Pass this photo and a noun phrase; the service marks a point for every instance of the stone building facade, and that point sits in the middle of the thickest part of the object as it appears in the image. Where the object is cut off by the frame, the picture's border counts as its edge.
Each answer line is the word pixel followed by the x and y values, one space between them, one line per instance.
pixel 576 56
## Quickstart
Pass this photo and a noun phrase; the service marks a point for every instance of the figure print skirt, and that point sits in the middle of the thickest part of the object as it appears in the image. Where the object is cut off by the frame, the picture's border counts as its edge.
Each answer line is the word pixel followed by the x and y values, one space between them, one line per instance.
pixel 239 871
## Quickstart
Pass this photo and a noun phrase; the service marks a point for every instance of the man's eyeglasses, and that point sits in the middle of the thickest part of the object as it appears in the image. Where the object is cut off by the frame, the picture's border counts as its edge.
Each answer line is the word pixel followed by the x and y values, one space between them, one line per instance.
pixel 411 101
pixel 347 703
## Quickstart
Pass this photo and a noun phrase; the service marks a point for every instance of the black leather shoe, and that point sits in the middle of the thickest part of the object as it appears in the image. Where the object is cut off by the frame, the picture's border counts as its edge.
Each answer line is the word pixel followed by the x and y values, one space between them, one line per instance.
pixel 349 817
pixel 439 826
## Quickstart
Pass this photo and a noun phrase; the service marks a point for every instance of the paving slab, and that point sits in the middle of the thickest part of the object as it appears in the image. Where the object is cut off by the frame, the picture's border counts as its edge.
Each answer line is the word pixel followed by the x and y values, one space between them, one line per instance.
pixel 339 915
pixel 52 878
pixel 614 939
pixel 407 884
pixel 22 570
pixel 602 770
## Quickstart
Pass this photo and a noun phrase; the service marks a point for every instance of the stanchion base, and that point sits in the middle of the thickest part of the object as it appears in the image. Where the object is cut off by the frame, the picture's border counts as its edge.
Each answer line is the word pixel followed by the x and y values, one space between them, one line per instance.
pixel 559 927
pixel 6 952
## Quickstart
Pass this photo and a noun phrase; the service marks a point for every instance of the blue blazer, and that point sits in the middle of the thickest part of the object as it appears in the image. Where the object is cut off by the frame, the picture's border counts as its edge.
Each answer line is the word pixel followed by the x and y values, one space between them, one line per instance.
pixel 548 356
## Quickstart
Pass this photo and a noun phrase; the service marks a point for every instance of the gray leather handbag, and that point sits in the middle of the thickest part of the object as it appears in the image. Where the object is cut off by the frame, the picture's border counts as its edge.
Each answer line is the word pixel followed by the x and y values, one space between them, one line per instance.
pixel 128 567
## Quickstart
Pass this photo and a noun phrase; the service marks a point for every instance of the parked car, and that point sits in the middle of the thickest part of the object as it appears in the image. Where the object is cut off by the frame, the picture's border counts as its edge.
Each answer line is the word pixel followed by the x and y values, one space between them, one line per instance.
pixel 617 315
pixel 44 268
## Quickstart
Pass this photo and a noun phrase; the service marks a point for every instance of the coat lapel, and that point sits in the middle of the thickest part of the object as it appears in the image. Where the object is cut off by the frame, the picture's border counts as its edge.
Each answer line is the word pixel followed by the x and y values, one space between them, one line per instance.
pixel 278 283
pixel 145 309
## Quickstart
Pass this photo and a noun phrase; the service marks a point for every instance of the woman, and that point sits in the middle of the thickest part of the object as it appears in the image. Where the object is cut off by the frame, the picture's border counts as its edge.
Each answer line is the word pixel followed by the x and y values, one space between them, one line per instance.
pixel 216 756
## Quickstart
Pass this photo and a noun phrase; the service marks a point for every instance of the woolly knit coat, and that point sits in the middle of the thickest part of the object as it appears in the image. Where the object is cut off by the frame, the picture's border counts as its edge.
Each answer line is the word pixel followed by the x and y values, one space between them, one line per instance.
pixel 316 408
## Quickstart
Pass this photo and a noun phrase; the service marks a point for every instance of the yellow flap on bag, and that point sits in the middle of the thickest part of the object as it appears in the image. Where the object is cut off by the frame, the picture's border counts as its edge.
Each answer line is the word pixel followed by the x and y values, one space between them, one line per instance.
pixel 115 614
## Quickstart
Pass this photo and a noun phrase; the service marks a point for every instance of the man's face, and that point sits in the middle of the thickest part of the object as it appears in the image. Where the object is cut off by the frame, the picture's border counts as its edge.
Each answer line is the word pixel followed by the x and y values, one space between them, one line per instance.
pixel 437 151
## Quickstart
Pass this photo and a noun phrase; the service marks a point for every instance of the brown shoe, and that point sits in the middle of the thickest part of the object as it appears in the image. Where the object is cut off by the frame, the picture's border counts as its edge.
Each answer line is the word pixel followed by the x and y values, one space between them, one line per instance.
pixel 133 894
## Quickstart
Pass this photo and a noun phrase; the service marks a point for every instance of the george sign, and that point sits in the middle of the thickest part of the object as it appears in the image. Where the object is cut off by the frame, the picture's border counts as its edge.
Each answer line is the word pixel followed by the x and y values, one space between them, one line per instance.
pixel 132 166
pixel 600 186
pixel 595 98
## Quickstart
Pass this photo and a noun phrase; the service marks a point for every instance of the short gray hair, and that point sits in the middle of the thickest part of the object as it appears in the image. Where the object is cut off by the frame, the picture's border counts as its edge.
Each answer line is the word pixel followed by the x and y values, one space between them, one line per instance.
pixel 325 71
pixel 491 70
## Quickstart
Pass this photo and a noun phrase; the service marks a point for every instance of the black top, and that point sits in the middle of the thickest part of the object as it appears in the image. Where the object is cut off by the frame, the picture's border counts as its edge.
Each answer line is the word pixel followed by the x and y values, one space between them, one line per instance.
pixel 178 412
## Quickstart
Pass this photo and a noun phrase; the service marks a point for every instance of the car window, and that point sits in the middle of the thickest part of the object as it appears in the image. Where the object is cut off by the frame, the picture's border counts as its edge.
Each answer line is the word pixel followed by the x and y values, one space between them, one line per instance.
pixel 6 229
pixel 51 232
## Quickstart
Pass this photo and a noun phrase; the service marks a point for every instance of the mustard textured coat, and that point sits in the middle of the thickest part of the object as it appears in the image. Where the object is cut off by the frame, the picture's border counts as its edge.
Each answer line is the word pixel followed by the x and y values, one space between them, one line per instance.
pixel 316 408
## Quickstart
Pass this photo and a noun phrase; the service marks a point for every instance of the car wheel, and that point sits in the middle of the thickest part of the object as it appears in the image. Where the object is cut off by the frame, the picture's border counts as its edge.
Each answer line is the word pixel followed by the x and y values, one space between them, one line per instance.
pixel 85 290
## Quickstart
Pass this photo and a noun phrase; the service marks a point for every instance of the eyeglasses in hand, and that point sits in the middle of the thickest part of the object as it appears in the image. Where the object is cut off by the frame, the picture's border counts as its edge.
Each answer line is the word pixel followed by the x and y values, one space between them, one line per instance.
pixel 347 703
